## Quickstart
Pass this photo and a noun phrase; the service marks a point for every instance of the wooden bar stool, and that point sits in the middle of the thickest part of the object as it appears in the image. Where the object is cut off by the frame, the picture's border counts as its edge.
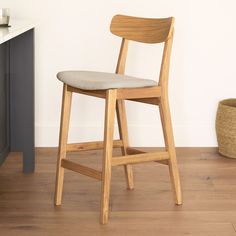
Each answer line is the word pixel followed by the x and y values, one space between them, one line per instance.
pixel 115 88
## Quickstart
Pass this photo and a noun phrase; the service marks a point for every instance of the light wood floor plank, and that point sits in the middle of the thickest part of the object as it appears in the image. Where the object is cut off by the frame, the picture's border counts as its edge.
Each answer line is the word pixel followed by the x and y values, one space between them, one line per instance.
pixel 209 193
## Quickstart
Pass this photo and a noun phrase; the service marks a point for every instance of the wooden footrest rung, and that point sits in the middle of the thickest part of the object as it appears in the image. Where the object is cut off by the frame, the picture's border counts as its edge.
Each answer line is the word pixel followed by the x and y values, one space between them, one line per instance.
pixel 140 158
pixel 84 170
pixel 131 151
pixel 76 147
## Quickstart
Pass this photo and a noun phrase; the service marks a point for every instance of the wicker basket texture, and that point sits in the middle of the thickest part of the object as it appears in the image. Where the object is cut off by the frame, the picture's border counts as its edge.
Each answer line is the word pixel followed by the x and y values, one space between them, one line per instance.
pixel 226 127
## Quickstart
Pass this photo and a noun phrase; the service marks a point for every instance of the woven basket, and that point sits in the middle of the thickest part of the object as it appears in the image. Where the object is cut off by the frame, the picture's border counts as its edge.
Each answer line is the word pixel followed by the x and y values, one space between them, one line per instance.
pixel 226 127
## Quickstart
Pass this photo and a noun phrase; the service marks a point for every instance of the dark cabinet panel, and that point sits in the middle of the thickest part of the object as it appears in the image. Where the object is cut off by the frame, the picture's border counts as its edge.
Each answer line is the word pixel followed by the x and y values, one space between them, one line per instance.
pixel 17 98
pixel 4 101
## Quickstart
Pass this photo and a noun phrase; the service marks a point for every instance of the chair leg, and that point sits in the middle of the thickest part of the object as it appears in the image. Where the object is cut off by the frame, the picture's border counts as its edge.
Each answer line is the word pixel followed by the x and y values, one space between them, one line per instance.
pixel 64 127
pixel 123 131
pixel 170 146
pixel 107 155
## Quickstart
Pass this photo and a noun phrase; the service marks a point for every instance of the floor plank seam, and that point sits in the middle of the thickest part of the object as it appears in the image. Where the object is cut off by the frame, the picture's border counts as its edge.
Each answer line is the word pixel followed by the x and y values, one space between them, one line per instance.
pixel 234 227
pixel 209 191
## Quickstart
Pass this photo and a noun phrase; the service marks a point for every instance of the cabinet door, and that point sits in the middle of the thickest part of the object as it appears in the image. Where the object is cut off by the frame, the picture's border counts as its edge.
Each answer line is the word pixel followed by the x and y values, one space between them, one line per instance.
pixel 4 102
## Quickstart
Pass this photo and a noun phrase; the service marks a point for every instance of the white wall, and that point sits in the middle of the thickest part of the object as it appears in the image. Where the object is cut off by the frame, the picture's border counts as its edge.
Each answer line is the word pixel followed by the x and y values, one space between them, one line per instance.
pixel 74 34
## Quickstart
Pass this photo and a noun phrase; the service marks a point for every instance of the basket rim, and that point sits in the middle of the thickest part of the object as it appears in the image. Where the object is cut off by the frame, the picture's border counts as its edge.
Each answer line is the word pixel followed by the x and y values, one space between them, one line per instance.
pixel 228 103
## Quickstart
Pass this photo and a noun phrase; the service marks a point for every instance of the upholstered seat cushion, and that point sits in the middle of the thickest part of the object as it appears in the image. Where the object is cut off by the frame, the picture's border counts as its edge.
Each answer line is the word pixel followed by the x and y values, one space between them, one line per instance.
pixel 89 80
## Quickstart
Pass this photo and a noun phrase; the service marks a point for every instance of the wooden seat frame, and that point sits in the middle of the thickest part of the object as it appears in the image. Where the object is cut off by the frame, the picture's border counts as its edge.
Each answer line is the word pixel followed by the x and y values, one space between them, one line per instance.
pixel 150 31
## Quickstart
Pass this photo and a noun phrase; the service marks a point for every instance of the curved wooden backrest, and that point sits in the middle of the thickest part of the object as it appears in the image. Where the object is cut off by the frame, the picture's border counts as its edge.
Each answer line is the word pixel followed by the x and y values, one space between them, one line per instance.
pixel 145 30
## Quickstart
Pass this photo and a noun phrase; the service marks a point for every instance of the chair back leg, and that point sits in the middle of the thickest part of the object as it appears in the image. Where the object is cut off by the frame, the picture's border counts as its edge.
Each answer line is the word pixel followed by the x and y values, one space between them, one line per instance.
pixel 107 155
pixel 123 131
pixel 64 127
pixel 170 147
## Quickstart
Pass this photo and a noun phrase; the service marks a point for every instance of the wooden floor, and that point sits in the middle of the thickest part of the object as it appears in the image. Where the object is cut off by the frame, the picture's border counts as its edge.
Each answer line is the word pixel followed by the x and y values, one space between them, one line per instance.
pixel 209 191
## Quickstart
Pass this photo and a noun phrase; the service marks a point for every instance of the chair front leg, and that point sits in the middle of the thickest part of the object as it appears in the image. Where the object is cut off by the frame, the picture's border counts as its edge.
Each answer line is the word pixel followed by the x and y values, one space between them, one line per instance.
pixel 64 127
pixel 123 131
pixel 107 155
pixel 170 146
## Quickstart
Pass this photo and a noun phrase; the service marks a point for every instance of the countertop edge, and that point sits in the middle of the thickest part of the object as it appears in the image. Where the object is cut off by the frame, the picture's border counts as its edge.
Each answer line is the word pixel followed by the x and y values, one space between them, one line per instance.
pixel 16 31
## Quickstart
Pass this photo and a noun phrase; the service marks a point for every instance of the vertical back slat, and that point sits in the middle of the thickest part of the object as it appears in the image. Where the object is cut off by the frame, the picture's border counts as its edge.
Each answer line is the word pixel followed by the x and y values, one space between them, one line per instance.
pixel 120 68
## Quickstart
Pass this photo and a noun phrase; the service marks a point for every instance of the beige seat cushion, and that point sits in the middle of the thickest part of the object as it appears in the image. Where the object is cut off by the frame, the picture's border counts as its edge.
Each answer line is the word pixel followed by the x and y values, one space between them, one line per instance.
pixel 89 80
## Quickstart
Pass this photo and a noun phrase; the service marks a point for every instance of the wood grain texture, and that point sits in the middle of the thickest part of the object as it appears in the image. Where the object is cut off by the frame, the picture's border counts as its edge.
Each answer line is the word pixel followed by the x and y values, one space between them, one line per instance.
pixel 142 30
pixel 64 129
pixel 131 151
pixel 120 67
pixel 84 170
pixel 123 132
pixel 76 147
pixel 107 153
pixel 93 93
pixel 170 148
pixel 140 158
pixel 145 30
pixel 166 121
pixel 147 92
pixel 165 63
pixel 151 101
pixel 208 182
pixel 121 115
